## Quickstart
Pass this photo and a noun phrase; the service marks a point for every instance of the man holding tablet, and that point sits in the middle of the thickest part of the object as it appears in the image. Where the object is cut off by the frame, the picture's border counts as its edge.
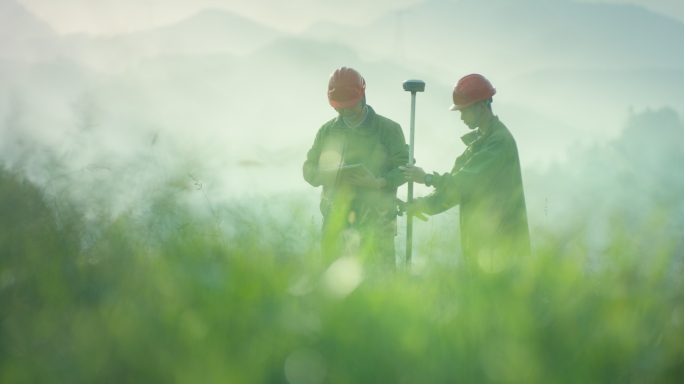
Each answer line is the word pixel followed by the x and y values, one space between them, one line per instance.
pixel 355 158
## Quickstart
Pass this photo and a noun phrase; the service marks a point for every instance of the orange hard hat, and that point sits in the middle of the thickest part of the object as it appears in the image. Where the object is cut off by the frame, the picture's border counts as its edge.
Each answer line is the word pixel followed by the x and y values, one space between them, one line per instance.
pixel 471 89
pixel 345 88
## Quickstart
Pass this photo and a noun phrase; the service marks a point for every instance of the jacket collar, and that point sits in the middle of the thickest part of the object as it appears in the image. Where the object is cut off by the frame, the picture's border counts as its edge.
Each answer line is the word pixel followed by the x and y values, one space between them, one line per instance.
pixel 365 126
pixel 471 137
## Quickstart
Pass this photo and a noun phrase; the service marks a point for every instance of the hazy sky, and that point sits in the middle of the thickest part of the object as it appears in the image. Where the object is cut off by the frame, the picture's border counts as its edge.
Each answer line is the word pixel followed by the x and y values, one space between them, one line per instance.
pixel 111 17
pixel 108 16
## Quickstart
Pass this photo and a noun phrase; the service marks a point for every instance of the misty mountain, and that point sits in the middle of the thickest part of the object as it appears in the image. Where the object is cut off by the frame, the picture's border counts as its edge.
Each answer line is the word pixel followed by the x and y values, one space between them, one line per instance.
pixel 635 180
pixel 208 32
pixel 225 84
pixel 23 36
pixel 584 64
pixel 263 108
pixel 268 105
pixel 593 98
pixel 507 38
pixel 26 38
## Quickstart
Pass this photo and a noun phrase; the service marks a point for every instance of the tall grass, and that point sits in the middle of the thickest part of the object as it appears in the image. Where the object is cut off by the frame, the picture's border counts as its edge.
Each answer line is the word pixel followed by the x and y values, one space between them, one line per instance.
pixel 162 296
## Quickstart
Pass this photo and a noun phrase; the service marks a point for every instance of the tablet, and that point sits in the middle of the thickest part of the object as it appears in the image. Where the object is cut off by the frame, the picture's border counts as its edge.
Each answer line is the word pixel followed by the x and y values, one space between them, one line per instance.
pixel 344 171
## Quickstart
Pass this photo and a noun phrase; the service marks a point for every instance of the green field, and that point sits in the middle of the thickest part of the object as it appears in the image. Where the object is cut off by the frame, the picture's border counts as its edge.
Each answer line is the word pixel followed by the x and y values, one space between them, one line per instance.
pixel 168 296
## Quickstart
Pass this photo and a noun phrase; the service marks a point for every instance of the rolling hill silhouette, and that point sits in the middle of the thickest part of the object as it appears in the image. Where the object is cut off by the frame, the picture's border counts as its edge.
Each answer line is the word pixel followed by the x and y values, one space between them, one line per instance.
pixel 507 38
pixel 23 36
pixel 565 71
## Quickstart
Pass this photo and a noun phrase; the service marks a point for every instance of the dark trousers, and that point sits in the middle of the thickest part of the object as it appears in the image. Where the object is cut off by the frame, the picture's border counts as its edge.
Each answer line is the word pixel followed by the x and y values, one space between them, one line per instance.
pixel 371 240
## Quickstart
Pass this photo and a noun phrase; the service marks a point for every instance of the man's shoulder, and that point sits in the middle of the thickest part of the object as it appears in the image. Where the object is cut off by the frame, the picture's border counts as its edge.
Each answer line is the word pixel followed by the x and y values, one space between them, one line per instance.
pixel 501 135
pixel 389 130
pixel 383 121
pixel 329 124
pixel 501 131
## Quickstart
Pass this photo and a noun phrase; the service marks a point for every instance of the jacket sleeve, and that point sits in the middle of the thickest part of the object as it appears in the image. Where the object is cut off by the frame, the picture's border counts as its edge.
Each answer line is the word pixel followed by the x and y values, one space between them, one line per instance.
pixel 310 167
pixel 442 198
pixel 398 156
pixel 466 176
pixel 439 201
pixel 481 167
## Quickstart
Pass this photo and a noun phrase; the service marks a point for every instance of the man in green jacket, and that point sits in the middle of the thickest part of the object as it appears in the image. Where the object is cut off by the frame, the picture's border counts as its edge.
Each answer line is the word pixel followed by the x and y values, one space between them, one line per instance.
pixel 355 157
pixel 486 183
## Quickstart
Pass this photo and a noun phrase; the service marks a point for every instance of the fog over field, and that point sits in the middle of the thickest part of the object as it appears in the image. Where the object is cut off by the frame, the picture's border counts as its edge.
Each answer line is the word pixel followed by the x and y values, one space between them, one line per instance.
pixel 155 225
pixel 237 102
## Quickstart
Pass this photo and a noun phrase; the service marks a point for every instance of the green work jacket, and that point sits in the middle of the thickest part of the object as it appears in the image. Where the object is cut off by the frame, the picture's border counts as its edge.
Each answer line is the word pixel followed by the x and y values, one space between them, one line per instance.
pixel 486 182
pixel 378 143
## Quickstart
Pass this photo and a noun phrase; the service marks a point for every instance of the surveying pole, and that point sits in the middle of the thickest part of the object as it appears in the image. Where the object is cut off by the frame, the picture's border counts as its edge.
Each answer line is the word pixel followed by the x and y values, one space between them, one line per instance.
pixel 412 86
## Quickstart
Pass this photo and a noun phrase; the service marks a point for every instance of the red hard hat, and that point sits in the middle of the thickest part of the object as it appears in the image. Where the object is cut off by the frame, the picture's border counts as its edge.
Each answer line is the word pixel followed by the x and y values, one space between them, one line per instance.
pixel 345 88
pixel 471 89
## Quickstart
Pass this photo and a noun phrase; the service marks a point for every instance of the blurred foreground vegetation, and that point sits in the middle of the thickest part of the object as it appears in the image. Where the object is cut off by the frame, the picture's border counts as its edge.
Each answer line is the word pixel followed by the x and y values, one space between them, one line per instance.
pixel 168 296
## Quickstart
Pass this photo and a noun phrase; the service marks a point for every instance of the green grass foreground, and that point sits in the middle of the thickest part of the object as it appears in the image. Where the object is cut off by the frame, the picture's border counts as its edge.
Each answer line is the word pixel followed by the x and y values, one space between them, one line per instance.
pixel 166 300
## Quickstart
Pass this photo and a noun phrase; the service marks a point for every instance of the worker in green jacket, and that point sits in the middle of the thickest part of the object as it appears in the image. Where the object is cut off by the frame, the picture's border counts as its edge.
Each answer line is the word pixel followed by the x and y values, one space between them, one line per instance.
pixel 355 157
pixel 486 183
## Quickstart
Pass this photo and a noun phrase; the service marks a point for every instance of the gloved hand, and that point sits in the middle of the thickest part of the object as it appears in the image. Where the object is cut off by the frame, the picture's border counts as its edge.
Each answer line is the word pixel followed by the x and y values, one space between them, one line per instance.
pixel 415 208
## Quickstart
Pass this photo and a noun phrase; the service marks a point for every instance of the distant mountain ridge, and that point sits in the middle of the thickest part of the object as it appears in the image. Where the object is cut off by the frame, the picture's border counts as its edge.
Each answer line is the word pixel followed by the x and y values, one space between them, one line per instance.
pixel 22 35
pixel 17 20
pixel 523 36
pixel 207 32
pixel 25 37
pixel 219 71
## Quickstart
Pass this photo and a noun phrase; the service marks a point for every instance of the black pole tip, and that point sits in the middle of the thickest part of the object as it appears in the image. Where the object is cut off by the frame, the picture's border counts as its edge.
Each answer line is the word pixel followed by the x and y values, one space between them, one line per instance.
pixel 414 85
